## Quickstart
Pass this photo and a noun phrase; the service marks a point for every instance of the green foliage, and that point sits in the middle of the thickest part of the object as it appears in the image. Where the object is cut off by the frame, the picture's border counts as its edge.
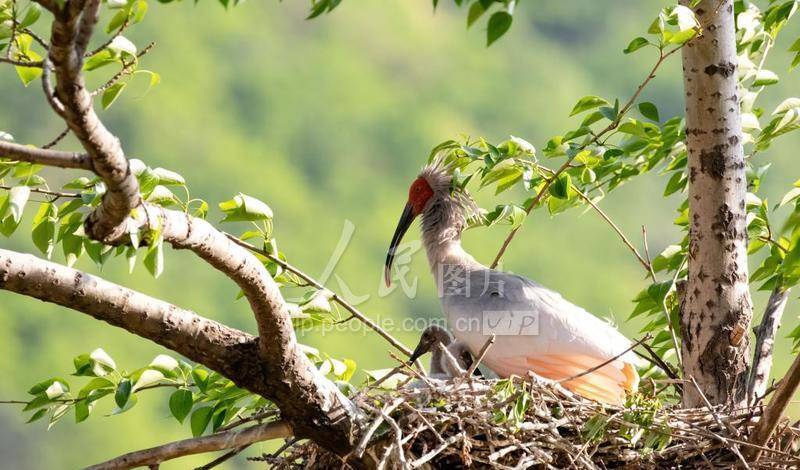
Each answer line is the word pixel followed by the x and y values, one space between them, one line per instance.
pixel 597 160
pixel 501 15
pixel 212 400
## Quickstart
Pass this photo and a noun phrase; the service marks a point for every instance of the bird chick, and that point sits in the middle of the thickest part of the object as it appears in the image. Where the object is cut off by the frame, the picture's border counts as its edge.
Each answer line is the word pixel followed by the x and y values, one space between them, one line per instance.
pixel 448 358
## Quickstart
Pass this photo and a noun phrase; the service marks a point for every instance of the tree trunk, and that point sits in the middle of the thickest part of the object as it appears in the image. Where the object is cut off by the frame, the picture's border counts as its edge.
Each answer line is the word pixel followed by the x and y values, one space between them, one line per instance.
pixel 716 317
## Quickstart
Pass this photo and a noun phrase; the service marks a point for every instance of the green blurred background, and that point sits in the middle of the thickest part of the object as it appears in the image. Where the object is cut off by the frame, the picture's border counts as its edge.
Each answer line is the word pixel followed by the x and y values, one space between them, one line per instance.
pixel 328 121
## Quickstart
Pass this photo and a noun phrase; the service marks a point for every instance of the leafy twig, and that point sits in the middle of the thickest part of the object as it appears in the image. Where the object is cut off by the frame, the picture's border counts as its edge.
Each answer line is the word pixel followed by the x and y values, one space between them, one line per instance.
pixel 662 56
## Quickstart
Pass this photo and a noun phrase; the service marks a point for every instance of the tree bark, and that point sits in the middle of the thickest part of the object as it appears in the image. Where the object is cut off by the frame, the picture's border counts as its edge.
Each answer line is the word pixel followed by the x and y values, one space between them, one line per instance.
pixel 716 318
pixel 197 445
pixel 765 342
pixel 312 405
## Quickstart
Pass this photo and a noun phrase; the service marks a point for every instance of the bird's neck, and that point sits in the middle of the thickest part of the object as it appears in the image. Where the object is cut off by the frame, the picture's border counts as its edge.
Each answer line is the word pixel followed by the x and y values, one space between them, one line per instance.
pixel 436 361
pixel 449 252
pixel 442 224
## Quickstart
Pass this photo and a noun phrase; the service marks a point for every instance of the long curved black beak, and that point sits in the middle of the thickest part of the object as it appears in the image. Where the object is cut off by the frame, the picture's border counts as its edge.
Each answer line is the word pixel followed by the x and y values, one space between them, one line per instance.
pixel 402 226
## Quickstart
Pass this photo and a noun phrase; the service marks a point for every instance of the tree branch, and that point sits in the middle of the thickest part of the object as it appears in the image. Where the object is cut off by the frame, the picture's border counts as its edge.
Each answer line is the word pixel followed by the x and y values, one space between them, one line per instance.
pixel 310 403
pixel 765 341
pixel 47 157
pixel 21 63
pixel 335 297
pixel 198 445
pixel 313 405
pixel 70 32
pixel 774 410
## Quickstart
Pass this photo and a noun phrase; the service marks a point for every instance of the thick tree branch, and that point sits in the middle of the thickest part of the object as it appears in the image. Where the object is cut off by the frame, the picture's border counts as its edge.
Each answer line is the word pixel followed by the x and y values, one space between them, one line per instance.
pixel 217 346
pixel 765 341
pixel 198 445
pixel 47 157
pixel 310 403
pixel 304 391
pixel 70 33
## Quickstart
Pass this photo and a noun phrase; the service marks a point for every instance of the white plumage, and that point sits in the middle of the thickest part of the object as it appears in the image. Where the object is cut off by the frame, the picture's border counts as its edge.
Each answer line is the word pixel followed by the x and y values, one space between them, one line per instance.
pixel 536 329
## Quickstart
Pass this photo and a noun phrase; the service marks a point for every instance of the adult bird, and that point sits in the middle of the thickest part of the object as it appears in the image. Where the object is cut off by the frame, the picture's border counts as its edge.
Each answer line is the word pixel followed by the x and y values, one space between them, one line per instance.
pixel 536 329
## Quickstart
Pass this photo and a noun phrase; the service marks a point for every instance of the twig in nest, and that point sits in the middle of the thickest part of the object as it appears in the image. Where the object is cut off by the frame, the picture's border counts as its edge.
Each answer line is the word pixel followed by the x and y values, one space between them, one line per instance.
pixel 362 444
pixel 481 354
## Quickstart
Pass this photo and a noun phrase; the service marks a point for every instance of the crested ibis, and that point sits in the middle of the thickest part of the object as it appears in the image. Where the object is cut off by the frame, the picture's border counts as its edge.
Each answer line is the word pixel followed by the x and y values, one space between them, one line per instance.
pixel 536 329
pixel 437 340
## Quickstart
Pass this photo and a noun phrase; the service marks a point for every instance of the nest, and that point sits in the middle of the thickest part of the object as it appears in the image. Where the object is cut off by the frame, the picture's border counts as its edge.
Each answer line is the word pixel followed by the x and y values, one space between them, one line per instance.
pixel 518 423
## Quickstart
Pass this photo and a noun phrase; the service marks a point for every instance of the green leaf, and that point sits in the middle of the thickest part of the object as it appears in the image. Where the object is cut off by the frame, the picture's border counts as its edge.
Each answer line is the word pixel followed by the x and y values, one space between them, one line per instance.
pixel 111 94
pixel 97 252
pixel 588 102
pixel 45 384
pixel 200 419
pixel 72 246
pixel 31 15
pixel 97 383
pixel 649 110
pixel 82 410
pixel 155 79
pixel 154 259
pixel 499 23
pixel 38 402
pixel 635 45
pixel 101 358
pixel 43 236
pixel 200 378
pixel 164 363
pixel 132 400
pixel 37 416
pixel 169 178
pixel 121 44
pixel 117 20
pixel 560 187
pixel 476 10
pixel 243 208
pixel 180 404
pixel 765 77
pixel 148 377
pixel 29 74
pixel 101 59
pixel 123 393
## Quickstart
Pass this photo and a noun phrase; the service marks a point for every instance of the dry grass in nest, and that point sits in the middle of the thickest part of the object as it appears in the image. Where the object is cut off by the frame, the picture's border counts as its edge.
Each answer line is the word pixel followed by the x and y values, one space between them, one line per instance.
pixel 519 423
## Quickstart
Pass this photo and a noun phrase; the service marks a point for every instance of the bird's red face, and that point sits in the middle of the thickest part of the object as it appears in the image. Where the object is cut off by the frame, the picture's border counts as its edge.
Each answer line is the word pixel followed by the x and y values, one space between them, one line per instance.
pixel 418 195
